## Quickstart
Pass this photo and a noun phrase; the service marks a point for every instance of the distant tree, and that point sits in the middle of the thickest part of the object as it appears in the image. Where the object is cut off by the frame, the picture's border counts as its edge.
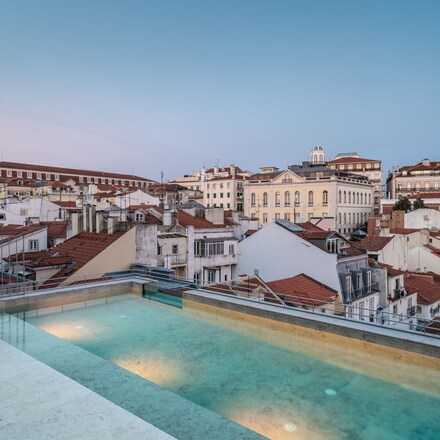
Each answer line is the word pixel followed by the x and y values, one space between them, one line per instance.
pixel 403 204
pixel 418 204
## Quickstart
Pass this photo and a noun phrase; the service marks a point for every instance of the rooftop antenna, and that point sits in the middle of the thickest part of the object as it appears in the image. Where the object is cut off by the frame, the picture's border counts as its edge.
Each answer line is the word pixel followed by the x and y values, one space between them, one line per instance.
pixel 161 177
pixel 218 163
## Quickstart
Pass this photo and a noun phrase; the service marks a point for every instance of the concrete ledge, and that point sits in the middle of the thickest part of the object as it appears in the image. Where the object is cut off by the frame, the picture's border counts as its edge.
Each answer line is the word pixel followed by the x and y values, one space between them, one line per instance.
pixel 38 402
pixel 77 293
pixel 421 344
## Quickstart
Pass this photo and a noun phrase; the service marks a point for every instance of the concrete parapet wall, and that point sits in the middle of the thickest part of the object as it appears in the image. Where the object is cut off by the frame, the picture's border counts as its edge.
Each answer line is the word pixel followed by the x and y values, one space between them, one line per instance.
pixel 412 342
pixel 68 295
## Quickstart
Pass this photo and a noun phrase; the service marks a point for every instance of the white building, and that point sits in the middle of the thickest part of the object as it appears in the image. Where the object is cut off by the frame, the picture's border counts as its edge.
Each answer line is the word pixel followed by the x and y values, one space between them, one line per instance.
pixel 18 212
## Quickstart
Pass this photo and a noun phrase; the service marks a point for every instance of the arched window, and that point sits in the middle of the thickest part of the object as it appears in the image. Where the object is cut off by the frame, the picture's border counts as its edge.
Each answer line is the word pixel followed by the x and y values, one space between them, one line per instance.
pixel 349 196
pixel 277 199
pixel 340 197
pixel 264 199
pixel 296 198
pixel 369 199
pixel 362 198
pixel 345 196
pixel 357 198
pixel 310 198
pixel 287 198
pixel 349 218
pixel 325 198
pixel 340 218
pixel 253 199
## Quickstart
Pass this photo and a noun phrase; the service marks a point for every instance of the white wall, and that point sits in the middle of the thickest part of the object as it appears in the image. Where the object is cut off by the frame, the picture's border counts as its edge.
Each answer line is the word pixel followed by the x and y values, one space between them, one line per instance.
pixel 423 260
pixel 16 212
pixel 422 218
pixel 136 198
pixel 278 253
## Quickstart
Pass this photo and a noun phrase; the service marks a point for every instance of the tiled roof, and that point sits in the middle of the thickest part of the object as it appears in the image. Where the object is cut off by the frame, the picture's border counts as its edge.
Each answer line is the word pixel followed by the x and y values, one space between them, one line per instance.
pixel 433 249
pixel 186 220
pixel 431 195
pixel 309 226
pixel 69 171
pixel 81 249
pixel 66 204
pixel 60 260
pixel 16 230
pixel 391 271
pixel 56 229
pixel 342 160
pixel 133 208
pixel 428 291
pixel 403 231
pixel 310 291
pixel 318 234
pixel 373 244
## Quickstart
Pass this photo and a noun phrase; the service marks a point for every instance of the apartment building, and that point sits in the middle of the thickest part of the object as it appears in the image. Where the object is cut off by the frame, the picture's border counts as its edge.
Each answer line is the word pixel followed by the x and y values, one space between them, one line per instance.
pixel 305 191
pixel 414 180
pixel 222 187
pixel 371 168
pixel 34 173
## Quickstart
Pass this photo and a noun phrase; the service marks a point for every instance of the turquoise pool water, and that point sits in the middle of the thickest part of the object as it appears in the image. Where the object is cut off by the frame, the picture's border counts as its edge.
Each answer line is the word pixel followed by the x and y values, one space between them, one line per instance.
pixel 280 393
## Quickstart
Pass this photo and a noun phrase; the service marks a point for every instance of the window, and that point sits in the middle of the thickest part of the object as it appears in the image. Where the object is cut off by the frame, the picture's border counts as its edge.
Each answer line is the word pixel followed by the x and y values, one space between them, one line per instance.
pixel 57 177
pixel 287 198
pixel 228 195
pixel 33 245
pixel 377 166
pixel 9 173
pixel 362 199
pixel 350 167
pixel 264 218
pixel 197 277
pixel 340 196
pixel 211 276
pixel 362 310
pixel 29 174
pixel 358 166
pixel 369 199
pixel 175 249
pixel 277 216
pixel 310 198
pixel 296 198
pixel 348 284
pixel 19 173
pixel 342 167
pixel 277 199
pixel 214 195
pixel 333 245
pixel 24 212
pixel 221 195
pixel 159 249
pixel 427 185
pixel 207 248
pixel 139 217
pixel 231 249
pixel 325 198
pixel 287 216
pixel 265 199
pixel 345 196
pixel 349 196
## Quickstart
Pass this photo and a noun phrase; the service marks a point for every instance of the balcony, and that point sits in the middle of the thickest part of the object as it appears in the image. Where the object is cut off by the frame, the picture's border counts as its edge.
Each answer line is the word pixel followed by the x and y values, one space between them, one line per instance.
pixel 171 260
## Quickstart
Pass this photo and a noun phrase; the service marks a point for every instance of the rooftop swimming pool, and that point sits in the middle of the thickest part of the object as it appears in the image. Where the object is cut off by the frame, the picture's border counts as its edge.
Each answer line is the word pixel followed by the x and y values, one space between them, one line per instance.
pixel 275 379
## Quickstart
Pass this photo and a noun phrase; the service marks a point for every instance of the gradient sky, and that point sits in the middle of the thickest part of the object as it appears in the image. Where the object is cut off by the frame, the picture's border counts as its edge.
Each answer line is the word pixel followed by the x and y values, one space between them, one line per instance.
pixel 143 86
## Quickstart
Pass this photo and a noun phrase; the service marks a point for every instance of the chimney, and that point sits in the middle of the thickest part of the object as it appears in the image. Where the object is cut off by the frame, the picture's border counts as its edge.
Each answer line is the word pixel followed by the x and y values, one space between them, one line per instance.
pixel 112 224
pixel 169 217
pixel 215 215
pixel 99 222
pixel 91 212
pixel 76 218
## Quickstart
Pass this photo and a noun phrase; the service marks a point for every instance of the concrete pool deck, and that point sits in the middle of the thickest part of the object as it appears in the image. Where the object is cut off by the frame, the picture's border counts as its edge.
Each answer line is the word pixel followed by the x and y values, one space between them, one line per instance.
pixel 39 402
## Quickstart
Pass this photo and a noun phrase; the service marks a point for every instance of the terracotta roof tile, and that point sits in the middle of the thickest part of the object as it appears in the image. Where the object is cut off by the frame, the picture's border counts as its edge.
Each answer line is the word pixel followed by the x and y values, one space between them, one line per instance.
pixel 310 291
pixel 373 244
pixel 56 229
pixel 428 291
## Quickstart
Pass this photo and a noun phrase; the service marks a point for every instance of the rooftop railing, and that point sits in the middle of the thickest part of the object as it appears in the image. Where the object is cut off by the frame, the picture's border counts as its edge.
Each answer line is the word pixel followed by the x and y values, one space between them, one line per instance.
pixel 242 290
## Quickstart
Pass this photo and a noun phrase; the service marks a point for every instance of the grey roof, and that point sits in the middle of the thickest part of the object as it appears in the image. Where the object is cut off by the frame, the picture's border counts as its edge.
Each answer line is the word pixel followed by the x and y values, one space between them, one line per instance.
pixel 190 204
pixel 292 227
